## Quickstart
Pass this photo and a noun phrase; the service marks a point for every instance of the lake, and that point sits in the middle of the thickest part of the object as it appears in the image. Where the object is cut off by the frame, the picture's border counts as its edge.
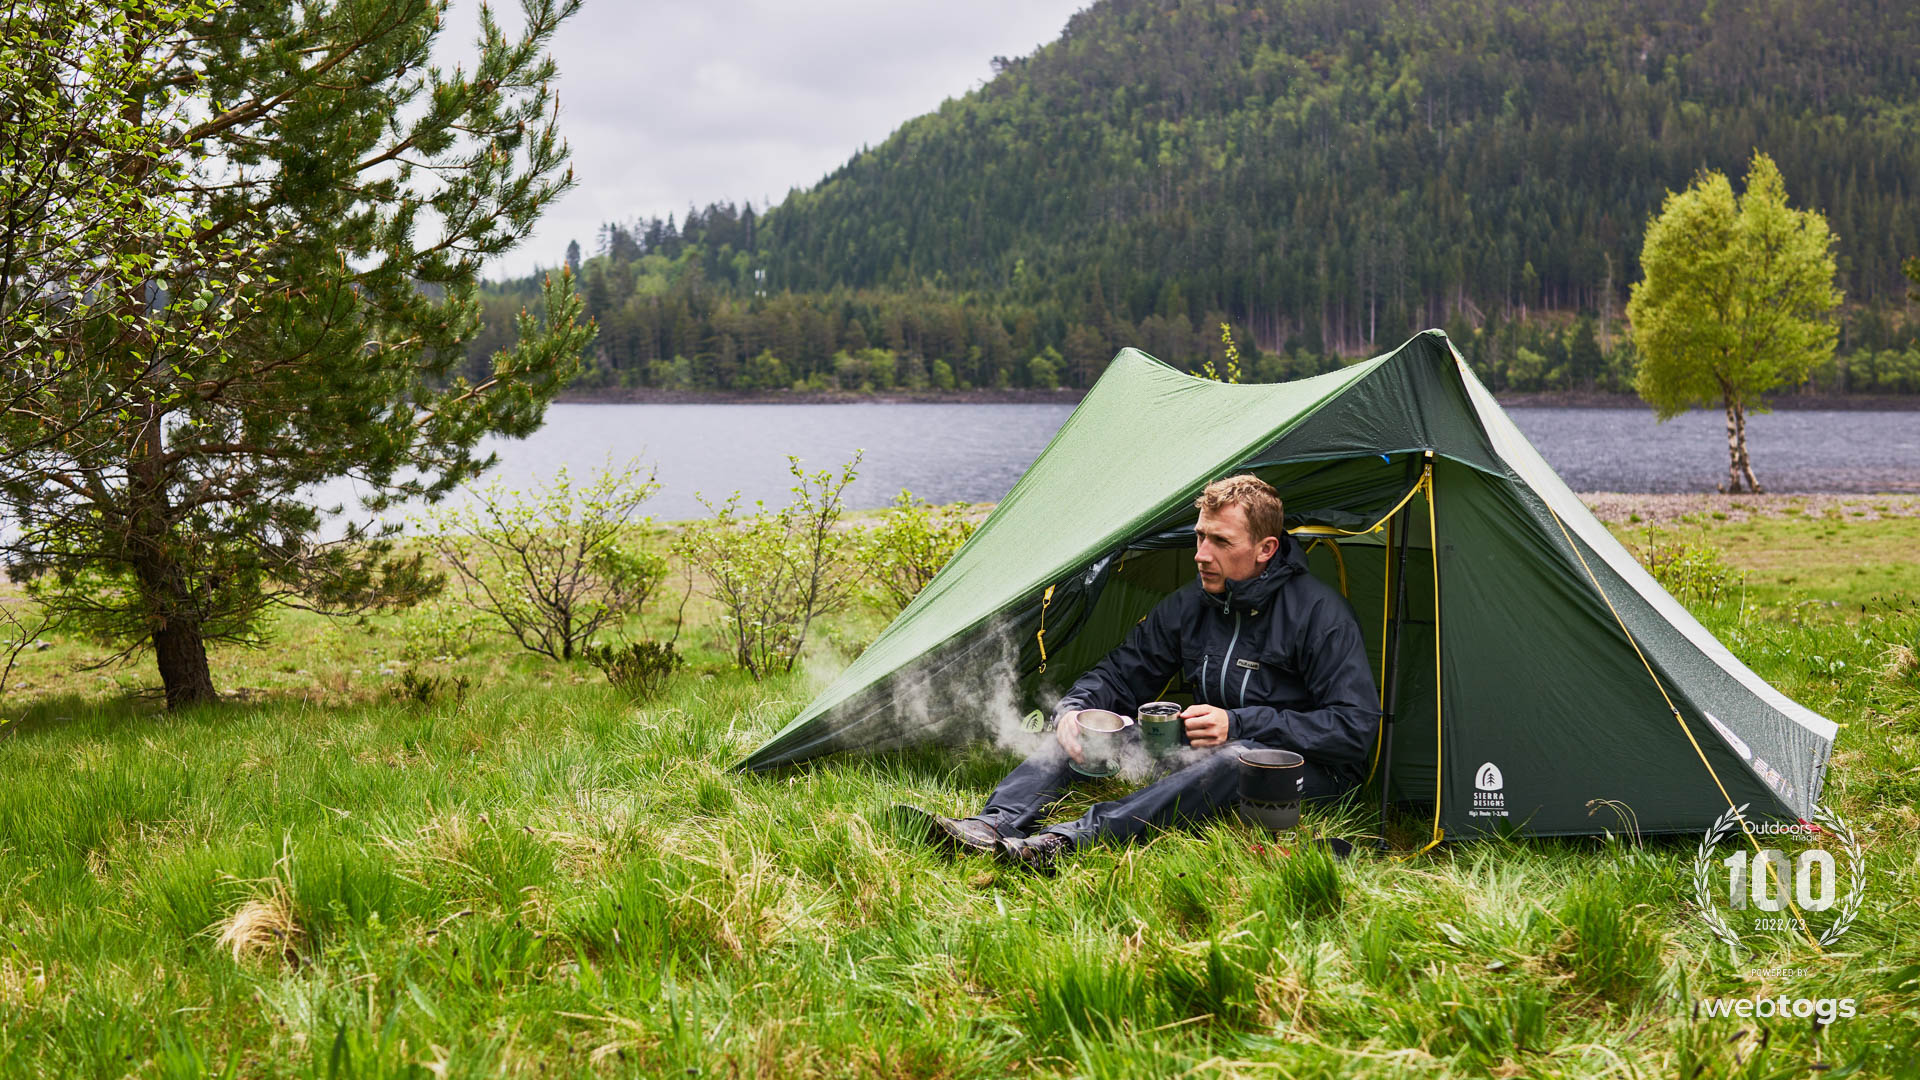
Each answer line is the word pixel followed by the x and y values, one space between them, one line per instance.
pixel 947 453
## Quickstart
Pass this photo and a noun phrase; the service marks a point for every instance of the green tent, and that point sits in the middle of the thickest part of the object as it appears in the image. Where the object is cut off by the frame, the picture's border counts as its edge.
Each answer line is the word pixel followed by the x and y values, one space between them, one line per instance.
pixel 1567 688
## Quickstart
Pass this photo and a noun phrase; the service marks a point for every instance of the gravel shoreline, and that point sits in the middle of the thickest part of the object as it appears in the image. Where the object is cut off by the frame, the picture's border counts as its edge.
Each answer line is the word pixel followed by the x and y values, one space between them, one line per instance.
pixel 1617 508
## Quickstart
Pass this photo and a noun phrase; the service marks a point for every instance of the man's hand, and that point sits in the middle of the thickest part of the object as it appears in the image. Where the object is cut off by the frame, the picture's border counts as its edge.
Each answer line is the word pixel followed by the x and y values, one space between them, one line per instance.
pixel 1206 725
pixel 1067 730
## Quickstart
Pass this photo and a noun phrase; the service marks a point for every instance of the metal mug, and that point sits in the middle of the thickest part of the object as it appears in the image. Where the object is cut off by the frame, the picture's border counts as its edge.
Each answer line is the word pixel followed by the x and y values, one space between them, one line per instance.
pixel 1161 729
pixel 1101 733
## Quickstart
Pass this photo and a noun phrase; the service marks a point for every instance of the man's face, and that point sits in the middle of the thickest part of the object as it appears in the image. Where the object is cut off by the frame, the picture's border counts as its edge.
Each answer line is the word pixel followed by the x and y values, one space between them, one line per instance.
pixel 1224 548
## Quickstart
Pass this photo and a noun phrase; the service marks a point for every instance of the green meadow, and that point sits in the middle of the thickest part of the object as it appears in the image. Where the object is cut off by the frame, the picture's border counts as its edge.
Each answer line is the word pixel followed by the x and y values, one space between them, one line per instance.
pixel 407 849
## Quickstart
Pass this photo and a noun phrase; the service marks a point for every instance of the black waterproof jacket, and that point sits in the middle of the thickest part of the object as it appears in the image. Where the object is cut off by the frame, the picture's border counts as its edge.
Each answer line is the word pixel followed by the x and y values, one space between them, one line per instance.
pixel 1282 653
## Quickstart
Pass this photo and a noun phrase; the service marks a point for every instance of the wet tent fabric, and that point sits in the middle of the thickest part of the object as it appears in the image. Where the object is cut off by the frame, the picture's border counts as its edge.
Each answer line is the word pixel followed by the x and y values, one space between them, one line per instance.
pixel 1546 684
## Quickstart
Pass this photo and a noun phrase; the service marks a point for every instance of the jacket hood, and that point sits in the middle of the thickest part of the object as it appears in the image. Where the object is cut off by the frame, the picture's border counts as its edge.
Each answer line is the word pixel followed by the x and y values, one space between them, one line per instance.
pixel 1252 594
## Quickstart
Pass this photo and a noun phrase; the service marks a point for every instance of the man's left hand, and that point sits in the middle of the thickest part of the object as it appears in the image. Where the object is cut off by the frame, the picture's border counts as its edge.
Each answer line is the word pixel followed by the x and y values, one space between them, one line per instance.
pixel 1206 725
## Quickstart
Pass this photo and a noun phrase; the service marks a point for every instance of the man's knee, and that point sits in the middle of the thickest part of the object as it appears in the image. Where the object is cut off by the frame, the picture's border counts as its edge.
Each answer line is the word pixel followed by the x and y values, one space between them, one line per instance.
pixel 1328 782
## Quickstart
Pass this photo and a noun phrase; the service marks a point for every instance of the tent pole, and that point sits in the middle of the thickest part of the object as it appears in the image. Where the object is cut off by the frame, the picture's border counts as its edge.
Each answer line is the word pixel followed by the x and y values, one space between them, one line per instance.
pixel 1391 700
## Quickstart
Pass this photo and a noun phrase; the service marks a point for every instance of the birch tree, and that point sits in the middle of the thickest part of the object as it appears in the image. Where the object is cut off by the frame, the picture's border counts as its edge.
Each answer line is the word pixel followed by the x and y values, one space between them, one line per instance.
pixel 1735 302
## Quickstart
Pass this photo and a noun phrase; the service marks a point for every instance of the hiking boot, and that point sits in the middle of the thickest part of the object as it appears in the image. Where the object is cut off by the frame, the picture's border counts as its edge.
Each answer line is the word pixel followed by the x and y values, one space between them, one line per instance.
pixel 959 836
pixel 1037 853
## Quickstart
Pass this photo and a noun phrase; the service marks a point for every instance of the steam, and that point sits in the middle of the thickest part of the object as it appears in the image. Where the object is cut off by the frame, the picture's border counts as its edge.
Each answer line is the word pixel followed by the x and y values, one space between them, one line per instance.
pixel 973 694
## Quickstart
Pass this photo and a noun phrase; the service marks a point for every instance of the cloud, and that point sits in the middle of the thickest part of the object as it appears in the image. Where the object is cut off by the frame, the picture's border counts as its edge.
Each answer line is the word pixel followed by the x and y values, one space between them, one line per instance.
pixel 678 102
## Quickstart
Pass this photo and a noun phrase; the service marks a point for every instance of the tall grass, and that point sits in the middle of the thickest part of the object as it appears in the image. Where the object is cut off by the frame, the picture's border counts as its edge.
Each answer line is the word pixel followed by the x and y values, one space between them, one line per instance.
pixel 541 879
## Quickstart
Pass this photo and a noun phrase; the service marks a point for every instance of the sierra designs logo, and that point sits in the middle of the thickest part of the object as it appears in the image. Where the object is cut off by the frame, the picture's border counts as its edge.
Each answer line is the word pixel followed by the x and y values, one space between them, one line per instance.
pixel 1489 794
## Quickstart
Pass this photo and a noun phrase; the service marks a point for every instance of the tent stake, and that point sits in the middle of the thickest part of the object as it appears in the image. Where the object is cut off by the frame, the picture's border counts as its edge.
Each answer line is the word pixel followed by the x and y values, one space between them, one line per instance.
pixel 1392 647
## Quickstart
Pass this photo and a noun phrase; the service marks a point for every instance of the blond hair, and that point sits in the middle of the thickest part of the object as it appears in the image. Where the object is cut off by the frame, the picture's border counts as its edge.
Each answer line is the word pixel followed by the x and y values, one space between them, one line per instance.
pixel 1265 514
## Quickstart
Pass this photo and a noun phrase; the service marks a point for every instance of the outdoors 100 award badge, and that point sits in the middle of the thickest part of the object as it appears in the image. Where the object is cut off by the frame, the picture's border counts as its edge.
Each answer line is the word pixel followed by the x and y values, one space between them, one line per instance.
pixel 1802 879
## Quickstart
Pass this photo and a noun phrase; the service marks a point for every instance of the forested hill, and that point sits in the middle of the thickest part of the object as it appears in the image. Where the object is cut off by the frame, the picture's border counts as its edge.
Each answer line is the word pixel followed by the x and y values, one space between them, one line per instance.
pixel 1328 175
pixel 1332 161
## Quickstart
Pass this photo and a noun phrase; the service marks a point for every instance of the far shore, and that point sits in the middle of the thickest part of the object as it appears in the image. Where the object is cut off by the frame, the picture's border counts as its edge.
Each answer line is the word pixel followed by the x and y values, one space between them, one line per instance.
pixel 1555 399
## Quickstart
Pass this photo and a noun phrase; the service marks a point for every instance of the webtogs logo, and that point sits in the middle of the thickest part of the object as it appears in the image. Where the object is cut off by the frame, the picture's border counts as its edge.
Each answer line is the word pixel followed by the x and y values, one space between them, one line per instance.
pixel 1489 796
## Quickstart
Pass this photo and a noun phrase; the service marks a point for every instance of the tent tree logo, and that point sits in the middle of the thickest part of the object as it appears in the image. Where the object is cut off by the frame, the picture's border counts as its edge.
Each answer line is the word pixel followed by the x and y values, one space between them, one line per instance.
pixel 1489 800
pixel 1779 878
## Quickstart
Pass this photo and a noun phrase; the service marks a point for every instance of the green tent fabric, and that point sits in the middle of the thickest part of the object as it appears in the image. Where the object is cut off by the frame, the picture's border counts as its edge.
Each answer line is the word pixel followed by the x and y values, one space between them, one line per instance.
pixel 1545 684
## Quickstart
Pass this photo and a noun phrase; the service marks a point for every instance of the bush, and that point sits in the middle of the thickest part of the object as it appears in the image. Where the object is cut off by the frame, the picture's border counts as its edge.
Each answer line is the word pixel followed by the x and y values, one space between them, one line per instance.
pixel 426 689
pixel 437 632
pixel 773 574
pixel 1694 571
pixel 641 670
pixel 552 567
pixel 912 542
pixel 22 622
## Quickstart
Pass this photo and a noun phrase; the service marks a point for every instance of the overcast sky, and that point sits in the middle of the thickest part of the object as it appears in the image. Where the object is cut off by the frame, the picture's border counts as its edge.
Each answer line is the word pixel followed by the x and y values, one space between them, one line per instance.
pixel 667 102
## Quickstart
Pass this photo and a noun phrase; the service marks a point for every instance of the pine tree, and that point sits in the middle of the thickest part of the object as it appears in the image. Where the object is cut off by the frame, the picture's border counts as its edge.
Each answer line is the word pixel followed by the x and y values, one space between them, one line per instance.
pixel 1584 360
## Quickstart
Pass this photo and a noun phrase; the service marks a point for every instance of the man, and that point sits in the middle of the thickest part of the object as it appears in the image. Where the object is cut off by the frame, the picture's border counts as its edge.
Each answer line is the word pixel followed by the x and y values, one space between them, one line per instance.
pixel 1272 656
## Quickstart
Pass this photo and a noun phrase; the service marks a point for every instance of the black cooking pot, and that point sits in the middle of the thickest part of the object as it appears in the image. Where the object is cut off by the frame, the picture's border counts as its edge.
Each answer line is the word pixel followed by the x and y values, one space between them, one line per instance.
pixel 1271 777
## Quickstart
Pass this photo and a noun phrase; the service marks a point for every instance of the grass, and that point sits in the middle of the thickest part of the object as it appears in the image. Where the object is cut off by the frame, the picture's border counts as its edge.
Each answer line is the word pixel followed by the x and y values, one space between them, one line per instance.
pixel 536 878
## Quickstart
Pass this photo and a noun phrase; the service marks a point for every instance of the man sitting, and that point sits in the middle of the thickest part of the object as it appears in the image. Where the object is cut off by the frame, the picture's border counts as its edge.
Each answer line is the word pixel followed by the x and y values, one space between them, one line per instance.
pixel 1273 657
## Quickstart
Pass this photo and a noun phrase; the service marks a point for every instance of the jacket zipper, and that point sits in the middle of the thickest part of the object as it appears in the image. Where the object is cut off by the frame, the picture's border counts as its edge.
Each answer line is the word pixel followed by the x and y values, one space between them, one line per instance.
pixel 1243 687
pixel 1204 661
pixel 1227 660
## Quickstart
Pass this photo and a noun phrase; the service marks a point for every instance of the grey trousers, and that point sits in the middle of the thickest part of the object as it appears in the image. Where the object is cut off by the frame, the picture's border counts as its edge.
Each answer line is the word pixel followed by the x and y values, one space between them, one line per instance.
pixel 1203 784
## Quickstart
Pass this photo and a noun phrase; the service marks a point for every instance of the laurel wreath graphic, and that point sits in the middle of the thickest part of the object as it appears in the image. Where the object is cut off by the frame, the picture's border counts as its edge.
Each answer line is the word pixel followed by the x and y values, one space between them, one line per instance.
pixel 1856 872
pixel 1703 863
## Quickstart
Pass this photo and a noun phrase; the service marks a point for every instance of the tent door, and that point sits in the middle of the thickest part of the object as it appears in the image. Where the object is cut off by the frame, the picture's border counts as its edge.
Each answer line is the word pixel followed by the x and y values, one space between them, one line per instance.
pixel 1396 557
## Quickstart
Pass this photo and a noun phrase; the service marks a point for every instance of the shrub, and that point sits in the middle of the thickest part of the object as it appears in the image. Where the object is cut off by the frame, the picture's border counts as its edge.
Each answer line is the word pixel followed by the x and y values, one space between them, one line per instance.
pixel 641 670
pixel 912 542
pixel 774 573
pixel 22 622
pixel 423 689
pixel 1694 571
pixel 553 567
pixel 437 632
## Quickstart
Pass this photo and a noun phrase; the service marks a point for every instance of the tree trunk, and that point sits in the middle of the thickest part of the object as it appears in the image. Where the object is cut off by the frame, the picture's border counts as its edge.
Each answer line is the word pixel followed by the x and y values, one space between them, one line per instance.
pixel 183 665
pixel 1733 452
pixel 166 598
pixel 178 647
pixel 1740 476
pixel 1746 465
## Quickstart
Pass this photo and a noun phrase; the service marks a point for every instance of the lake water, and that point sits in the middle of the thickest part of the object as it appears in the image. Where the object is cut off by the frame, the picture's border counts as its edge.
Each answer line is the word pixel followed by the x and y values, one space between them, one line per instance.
pixel 946 453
